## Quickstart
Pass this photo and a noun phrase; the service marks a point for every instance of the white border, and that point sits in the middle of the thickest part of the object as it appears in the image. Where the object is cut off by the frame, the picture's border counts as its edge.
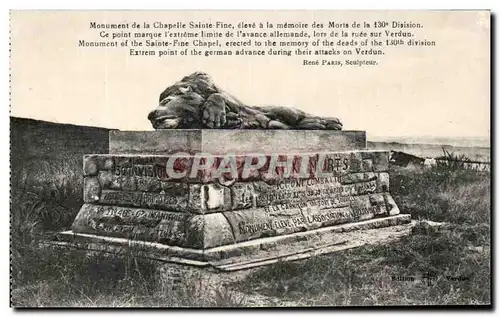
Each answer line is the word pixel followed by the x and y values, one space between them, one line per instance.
pixel 255 4
pixel 182 4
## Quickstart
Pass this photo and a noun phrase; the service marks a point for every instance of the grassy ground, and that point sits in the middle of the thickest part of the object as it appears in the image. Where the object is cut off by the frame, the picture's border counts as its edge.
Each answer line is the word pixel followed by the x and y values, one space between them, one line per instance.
pixel 46 195
pixel 456 258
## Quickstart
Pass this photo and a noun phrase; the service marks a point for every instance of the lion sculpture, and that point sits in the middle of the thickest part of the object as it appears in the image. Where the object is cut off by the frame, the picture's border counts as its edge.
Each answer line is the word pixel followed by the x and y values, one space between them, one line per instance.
pixel 196 102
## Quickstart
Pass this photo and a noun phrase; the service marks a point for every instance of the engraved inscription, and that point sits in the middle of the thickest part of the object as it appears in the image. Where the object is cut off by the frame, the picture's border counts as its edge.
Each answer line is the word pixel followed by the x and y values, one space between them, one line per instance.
pixel 143 170
pixel 121 197
pixel 334 202
pixel 161 200
pixel 141 213
pixel 158 200
pixel 307 189
pixel 134 223
pixel 334 216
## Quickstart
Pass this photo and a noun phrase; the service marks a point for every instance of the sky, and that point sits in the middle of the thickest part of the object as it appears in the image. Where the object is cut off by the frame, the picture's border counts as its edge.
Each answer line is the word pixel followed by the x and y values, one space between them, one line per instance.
pixel 441 91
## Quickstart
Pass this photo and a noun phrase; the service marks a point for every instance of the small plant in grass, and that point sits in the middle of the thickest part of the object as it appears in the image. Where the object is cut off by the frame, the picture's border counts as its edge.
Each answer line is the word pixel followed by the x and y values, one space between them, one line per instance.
pixel 227 298
pixel 453 162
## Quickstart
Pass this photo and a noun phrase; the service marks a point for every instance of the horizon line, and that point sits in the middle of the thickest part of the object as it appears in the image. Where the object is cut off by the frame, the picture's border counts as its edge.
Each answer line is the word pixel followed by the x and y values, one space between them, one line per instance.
pixel 368 135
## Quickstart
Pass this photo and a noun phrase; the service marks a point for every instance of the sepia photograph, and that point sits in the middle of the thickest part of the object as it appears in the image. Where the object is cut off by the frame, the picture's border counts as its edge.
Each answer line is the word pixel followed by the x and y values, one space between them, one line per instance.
pixel 249 159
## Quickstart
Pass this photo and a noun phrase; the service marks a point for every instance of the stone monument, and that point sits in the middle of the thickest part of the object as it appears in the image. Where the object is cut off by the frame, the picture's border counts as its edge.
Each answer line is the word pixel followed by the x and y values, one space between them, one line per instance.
pixel 228 186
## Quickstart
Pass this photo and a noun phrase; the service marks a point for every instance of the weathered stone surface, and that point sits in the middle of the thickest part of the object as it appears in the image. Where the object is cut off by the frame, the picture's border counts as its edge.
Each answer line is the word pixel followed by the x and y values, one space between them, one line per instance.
pixel 367 165
pixel 243 196
pixel 120 198
pixel 198 231
pixel 106 163
pixel 352 178
pixel 360 202
pixel 195 234
pixel 363 188
pixel 256 252
pixel 141 174
pixel 168 196
pixel 383 182
pixel 378 200
pixel 90 167
pixel 177 189
pixel 173 168
pixel 176 200
pixel 380 161
pixel 149 184
pixel 370 176
pixel 288 218
pixel 293 190
pixel 91 189
pixel 317 218
pixel 209 198
pixel 255 167
pixel 109 181
pixel 256 223
pixel 358 178
pixel 356 162
pixel 142 166
pixel 291 165
pixel 133 223
pixel 135 172
pixel 221 142
pixel 128 183
pixel 392 208
pixel 217 231
pixel 135 197
pixel 155 142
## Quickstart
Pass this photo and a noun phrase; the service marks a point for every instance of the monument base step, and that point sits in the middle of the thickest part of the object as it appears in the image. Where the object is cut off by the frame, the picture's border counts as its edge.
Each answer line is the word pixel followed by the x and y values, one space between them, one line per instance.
pixel 253 253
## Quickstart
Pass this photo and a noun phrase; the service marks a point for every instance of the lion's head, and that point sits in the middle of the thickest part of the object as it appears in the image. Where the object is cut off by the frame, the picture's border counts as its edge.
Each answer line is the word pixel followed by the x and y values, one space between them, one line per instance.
pixel 178 110
pixel 180 103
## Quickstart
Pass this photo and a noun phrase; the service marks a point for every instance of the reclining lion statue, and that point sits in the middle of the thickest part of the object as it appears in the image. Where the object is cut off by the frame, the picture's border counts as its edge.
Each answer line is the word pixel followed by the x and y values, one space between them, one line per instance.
pixel 196 102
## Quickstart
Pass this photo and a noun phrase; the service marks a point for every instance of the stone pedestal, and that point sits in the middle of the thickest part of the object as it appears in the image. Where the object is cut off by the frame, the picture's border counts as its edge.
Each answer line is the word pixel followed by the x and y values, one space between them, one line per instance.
pixel 222 142
pixel 307 192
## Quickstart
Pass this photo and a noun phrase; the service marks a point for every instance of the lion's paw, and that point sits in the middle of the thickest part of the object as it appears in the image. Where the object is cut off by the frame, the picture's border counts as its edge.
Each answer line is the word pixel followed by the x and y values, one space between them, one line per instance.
pixel 214 112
